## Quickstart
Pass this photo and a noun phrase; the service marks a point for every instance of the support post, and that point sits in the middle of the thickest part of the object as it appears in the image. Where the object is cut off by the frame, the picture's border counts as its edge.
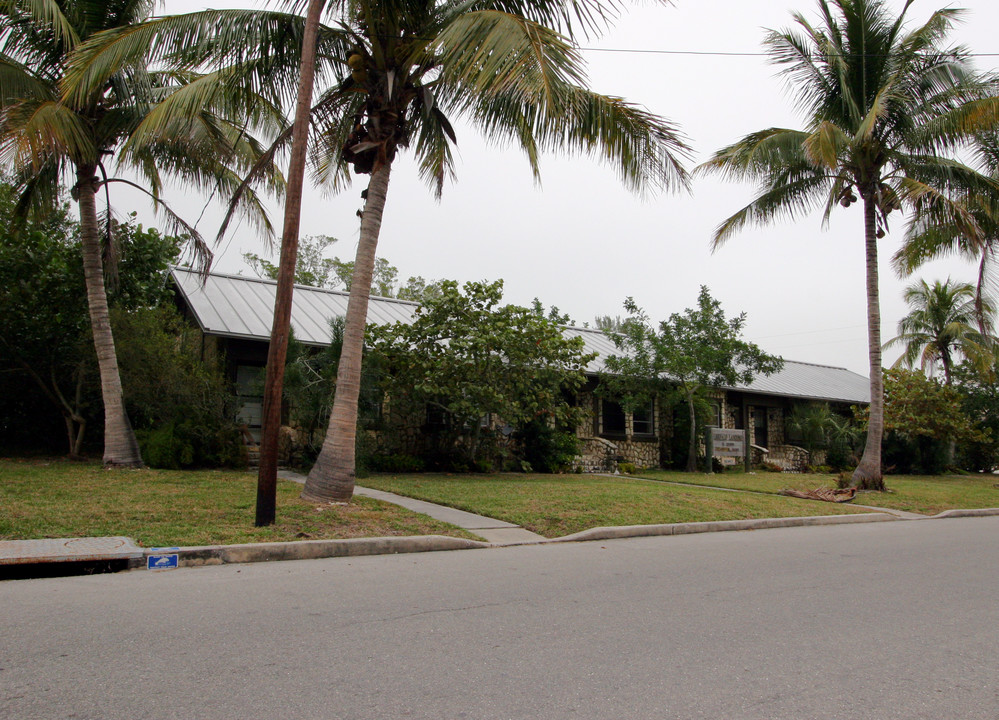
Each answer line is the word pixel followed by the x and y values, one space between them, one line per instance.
pixel 749 453
pixel 709 448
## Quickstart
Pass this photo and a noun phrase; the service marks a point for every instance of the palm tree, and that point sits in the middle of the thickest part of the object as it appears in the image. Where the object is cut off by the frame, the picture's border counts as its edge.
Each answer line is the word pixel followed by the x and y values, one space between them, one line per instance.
pixel 396 73
pixel 936 230
pixel 47 137
pixel 882 102
pixel 943 322
pixel 277 349
pixel 511 69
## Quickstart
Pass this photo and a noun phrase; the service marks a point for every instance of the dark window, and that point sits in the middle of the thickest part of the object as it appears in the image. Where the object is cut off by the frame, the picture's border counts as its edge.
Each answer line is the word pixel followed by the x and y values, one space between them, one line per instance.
pixel 716 411
pixel 437 417
pixel 613 418
pixel 760 434
pixel 250 394
pixel 643 420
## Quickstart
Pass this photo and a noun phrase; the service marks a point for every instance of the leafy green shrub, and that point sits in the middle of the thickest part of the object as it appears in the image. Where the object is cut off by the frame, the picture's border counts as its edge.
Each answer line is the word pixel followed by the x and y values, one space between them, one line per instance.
pixel 840 455
pixel 626 468
pixel 547 449
pixel 180 403
pixel 187 444
pixel 164 447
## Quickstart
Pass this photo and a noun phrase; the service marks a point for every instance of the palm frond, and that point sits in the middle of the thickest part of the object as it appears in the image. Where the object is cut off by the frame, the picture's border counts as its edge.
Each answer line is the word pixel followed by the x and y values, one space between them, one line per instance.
pixel 33 133
pixel 176 225
pixel 787 200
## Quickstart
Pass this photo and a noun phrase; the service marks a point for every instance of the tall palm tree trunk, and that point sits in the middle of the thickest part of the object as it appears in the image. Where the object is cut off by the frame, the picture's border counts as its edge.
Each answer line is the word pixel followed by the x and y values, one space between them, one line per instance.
pixel 277 350
pixel 120 445
pixel 332 477
pixel 868 475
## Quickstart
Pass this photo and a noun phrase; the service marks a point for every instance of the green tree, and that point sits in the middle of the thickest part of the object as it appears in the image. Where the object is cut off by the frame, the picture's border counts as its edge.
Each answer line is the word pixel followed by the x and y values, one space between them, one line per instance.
pixel 512 70
pixel 942 326
pixel 471 357
pixel 44 328
pixel 607 323
pixel 980 403
pixel 314 269
pixel 400 70
pixel 43 320
pixel 922 417
pixel 180 400
pixel 49 131
pixel 697 350
pixel 881 103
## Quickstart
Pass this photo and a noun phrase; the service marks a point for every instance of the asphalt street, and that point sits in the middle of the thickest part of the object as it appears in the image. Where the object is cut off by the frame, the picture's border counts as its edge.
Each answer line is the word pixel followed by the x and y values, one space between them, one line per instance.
pixel 884 620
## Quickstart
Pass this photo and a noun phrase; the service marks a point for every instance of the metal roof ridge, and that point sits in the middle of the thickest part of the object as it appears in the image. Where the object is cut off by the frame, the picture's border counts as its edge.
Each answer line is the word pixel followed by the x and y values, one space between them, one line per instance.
pixel 268 281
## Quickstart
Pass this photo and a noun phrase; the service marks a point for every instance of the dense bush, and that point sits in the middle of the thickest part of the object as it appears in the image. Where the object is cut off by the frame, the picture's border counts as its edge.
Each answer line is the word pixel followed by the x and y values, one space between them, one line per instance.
pixel 913 455
pixel 547 449
pixel 180 403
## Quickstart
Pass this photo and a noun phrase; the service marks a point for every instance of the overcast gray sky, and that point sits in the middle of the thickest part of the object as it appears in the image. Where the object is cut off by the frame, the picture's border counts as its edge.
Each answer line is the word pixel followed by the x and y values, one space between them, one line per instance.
pixel 582 242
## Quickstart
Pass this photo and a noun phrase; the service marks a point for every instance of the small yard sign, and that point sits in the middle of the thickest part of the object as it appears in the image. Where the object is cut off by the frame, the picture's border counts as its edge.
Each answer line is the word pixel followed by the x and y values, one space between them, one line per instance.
pixel 729 446
pixel 728 443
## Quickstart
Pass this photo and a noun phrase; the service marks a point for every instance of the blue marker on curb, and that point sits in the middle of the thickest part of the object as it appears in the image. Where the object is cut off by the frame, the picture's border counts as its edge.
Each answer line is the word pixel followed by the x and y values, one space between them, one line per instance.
pixel 163 559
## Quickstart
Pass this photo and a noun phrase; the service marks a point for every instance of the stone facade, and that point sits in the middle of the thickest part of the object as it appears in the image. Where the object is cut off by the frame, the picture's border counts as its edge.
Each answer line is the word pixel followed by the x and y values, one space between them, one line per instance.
pixel 410 431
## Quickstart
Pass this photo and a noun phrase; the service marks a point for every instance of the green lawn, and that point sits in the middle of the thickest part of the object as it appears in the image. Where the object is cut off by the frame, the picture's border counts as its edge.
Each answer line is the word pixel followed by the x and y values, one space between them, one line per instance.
pixel 926 495
pixel 56 498
pixel 157 508
pixel 556 505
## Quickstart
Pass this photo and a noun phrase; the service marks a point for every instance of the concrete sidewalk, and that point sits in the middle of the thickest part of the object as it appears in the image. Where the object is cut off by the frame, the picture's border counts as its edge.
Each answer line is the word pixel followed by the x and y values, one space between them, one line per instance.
pixel 496 532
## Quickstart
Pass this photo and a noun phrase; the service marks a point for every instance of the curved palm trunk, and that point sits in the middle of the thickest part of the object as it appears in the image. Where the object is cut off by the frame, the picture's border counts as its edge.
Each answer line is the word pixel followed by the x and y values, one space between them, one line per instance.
pixel 868 475
pixel 120 446
pixel 277 350
pixel 332 477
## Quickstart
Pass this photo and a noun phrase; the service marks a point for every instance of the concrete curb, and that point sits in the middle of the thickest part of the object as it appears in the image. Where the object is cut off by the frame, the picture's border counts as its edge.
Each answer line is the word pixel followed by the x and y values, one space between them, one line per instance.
pixel 356 547
pixel 627 531
pixel 313 549
pixel 316 549
pixel 978 512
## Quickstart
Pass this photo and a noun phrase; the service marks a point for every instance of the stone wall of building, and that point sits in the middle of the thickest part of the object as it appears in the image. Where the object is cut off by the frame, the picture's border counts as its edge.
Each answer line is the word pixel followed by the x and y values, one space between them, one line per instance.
pixel 788 458
pixel 597 455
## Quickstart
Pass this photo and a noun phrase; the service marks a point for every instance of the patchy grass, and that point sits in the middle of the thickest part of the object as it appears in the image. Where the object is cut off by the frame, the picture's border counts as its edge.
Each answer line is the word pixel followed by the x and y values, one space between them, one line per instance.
pixel 926 495
pixel 56 498
pixel 929 495
pixel 556 505
pixel 764 482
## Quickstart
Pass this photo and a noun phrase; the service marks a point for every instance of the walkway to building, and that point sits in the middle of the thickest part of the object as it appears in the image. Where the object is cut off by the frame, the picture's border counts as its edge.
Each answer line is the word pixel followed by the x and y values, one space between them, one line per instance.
pixel 489 529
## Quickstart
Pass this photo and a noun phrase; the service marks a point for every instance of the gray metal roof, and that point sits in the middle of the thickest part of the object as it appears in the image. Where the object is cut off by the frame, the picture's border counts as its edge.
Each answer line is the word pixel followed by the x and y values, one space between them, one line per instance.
pixel 240 307
pixel 796 379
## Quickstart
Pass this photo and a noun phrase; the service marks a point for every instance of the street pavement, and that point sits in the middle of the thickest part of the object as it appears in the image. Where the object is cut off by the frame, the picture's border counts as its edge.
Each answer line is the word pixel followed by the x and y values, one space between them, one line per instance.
pixel 877 620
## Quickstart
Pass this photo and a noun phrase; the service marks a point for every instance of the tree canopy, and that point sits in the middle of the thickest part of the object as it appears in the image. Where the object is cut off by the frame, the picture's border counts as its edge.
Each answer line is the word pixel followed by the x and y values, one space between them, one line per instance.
pixel 695 350
pixel 471 357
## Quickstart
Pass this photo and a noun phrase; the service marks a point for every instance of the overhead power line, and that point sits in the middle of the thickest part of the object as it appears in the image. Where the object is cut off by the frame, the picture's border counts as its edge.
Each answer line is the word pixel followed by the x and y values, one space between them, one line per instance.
pixel 717 53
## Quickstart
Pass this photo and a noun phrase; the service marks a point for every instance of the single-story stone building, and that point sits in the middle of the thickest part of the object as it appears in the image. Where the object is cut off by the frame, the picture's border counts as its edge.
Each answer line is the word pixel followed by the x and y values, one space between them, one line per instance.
pixel 234 314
